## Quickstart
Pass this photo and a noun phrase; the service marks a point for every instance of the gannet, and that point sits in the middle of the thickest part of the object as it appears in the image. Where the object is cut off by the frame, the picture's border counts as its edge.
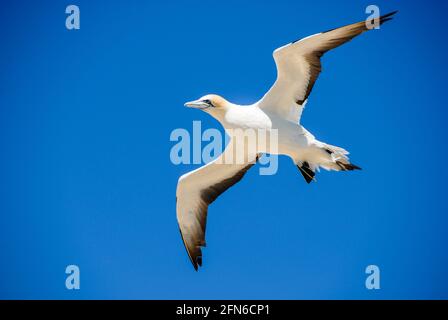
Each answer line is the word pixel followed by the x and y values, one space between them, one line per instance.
pixel 298 67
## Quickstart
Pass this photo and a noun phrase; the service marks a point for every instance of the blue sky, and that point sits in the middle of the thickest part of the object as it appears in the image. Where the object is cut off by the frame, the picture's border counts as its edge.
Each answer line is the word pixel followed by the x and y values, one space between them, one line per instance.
pixel 86 178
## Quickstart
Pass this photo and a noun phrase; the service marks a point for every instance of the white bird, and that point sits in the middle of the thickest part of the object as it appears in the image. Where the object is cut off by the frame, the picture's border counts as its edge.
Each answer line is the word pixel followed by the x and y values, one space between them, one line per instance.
pixel 298 66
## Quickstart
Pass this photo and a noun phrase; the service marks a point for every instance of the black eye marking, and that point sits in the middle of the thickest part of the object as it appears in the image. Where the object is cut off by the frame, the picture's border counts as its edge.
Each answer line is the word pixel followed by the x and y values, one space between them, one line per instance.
pixel 207 101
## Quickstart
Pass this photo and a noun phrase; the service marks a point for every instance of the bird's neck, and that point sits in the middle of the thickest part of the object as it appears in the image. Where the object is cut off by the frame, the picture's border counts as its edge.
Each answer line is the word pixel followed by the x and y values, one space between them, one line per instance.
pixel 220 113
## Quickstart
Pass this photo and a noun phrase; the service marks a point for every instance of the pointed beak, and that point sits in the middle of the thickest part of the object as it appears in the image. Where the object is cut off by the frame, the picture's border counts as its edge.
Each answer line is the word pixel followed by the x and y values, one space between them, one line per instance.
pixel 197 104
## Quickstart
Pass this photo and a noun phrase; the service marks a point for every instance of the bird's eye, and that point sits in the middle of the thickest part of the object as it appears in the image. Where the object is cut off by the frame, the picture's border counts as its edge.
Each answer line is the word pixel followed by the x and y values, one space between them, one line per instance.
pixel 207 101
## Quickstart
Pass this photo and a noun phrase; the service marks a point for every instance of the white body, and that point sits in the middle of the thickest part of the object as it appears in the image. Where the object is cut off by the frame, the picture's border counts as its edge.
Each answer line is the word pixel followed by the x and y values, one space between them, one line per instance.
pixel 293 139
pixel 298 67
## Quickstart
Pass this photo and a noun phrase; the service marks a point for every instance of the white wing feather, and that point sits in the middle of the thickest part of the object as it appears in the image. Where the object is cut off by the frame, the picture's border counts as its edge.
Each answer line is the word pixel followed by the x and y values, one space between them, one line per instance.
pixel 298 67
pixel 196 190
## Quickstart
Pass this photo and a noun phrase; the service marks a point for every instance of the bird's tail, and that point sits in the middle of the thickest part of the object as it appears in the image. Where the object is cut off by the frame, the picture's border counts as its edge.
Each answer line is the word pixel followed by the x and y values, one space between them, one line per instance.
pixel 328 157
pixel 337 159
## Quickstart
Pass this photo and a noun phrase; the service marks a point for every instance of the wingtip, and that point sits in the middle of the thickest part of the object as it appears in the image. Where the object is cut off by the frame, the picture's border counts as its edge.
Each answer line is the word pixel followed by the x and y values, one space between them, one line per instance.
pixel 388 16
pixel 195 262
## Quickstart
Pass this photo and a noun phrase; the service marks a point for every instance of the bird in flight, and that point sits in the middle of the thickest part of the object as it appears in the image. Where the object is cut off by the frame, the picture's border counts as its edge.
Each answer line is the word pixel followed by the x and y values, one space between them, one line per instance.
pixel 298 67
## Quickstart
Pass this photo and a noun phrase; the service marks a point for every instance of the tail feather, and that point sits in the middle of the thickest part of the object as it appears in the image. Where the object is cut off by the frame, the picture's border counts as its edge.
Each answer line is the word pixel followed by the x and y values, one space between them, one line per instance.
pixel 306 171
pixel 347 166
pixel 338 159
pixel 328 157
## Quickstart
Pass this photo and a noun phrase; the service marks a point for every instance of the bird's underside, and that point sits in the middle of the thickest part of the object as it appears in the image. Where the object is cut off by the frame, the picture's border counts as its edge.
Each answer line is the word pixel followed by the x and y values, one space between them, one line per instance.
pixel 298 67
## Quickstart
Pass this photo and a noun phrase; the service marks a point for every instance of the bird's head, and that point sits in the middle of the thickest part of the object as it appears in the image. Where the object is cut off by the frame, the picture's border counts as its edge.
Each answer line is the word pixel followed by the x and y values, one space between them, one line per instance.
pixel 210 103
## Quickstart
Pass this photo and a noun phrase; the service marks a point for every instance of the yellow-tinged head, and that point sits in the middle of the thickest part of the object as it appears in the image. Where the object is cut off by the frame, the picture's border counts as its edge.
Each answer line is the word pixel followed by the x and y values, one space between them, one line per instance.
pixel 209 102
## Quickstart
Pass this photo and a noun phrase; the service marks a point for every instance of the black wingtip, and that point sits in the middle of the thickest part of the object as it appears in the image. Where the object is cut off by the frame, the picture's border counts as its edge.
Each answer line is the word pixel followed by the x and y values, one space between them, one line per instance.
pixel 388 16
pixel 197 263
pixel 194 262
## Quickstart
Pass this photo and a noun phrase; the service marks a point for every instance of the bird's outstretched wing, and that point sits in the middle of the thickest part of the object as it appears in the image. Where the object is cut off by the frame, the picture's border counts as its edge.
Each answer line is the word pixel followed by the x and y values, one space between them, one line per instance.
pixel 199 188
pixel 298 66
